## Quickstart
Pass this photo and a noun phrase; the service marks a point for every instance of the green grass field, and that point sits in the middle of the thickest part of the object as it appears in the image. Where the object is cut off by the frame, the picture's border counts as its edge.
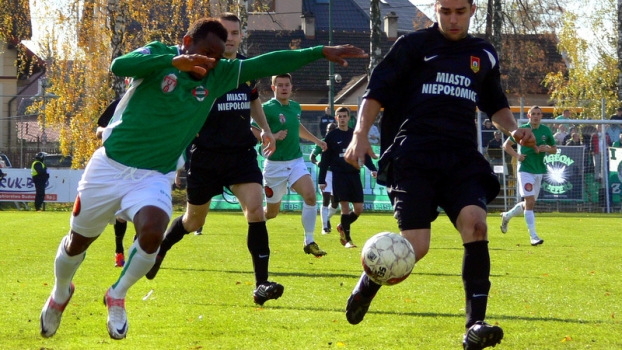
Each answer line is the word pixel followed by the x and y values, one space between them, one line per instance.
pixel 565 294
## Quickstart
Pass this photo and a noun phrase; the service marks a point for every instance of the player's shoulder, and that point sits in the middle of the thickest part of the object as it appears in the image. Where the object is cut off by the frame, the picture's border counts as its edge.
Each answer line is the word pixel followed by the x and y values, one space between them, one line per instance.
pixel 156 47
pixel 415 38
pixel 271 103
pixel 294 103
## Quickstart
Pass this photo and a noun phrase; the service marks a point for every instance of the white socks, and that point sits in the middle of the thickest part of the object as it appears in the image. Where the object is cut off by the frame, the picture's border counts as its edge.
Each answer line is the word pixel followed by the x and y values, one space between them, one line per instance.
pixel 530 219
pixel 309 216
pixel 65 267
pixel 136 266
pixel 324 216
pixel 332 211
pixel 517 210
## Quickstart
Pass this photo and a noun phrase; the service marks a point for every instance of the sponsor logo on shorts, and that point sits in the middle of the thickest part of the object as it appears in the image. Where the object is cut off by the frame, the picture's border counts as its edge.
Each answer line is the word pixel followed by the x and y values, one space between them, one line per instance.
pixel 77 206
pixel 169 83
pixel 200 93
pixel 269 192
pixel 528 187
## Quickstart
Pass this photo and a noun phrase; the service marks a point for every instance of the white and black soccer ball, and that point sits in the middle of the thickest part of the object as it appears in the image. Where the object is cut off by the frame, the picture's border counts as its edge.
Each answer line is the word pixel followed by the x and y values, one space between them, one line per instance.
pixel 388 258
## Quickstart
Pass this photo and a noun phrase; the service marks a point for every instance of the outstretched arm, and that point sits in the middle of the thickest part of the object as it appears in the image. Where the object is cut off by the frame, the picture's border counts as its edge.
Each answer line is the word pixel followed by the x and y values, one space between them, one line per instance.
pixel 285 61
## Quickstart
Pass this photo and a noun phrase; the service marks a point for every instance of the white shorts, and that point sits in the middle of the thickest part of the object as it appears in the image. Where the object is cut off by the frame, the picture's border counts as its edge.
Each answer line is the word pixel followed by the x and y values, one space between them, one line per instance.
pixel 529 184
pixel 277 174
pixel 329 182
pixel 109 189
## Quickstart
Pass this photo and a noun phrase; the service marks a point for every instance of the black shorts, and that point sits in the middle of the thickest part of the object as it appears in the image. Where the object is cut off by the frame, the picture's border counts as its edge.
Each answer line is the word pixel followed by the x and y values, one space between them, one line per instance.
pixel 452 180
pixel 210 171
pixel 347 187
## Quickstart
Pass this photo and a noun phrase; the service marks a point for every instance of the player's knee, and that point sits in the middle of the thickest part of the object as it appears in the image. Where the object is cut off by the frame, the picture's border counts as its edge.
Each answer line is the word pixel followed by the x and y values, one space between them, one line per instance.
pixel 270 214
pixel 480 231
pixel 256 214
pixel 310 199
pixel 150 235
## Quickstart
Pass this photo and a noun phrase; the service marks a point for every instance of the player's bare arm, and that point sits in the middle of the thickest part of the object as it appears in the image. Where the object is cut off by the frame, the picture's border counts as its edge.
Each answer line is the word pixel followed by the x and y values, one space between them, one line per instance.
pixel 359 146
pixel 307 135
pixel 266 138
pixel 504 121
pixel 194 63
pixel 338 53
pixel 507 146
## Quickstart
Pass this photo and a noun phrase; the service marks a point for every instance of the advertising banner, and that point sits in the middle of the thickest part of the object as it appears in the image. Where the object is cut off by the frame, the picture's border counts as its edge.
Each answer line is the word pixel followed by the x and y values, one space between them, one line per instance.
pixel 62 187
pixel 565 176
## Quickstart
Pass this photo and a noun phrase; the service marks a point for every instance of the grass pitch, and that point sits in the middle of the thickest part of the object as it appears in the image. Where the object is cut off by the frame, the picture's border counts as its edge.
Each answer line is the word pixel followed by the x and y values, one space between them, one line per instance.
pixel 565 294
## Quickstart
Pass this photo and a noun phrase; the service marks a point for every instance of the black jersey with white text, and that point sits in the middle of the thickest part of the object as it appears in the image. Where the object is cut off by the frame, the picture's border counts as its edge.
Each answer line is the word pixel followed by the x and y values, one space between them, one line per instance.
pixel 430 88
pixel 337 142
pixel 227 128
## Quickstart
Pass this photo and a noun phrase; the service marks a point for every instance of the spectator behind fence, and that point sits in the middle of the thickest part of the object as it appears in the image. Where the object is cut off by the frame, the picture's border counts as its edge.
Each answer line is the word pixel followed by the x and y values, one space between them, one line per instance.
pixel 573 129
pixel 374 135
pixel 613 131
pixel 575 140
pixel 487 132
pixel 595 148
pixel 493 149
pixel 565 115
pixel 618 143
pixel 561 134
pixel 326 119
pixel 618 115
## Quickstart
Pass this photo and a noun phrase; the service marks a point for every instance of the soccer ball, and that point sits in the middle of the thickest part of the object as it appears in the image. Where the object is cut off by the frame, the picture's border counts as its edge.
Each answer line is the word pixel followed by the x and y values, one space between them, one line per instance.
pixel 388 258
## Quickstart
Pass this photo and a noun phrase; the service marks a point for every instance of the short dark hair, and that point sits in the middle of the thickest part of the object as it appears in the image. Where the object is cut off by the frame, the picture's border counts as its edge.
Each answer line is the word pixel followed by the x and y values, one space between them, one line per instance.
pixel 286 75
pixel 202 27
pixel 532 108
pixel 619 109
pixel 343 109
pixel 229 16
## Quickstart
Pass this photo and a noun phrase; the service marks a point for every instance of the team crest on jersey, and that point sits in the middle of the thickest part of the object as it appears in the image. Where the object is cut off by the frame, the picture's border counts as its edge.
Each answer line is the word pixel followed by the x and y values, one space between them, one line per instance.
pixel 475 64
pixel 169 83
pixel 200 93
pixel 528 187
pixel 282 118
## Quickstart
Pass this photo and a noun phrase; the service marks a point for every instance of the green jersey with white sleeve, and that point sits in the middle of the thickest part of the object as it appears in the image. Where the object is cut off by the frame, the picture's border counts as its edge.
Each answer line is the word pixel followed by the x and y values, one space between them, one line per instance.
pixel 164 108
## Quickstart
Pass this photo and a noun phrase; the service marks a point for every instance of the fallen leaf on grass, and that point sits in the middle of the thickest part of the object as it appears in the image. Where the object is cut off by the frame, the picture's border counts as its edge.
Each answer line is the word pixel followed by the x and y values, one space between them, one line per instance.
pixel 566 338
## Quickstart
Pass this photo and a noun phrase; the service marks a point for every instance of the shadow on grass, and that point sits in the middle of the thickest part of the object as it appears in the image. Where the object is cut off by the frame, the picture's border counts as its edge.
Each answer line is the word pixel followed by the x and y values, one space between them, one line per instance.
pixel 492 318
pixel 353 274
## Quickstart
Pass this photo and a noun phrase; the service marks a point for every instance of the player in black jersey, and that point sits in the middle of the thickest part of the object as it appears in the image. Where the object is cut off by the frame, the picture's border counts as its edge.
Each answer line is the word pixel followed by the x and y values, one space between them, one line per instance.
pixel 347 187
pixel 223 155
pixel 430 84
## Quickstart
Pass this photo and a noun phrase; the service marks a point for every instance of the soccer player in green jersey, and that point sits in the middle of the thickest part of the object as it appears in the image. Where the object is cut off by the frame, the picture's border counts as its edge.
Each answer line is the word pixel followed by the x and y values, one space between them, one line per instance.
pixel 531 169
pixel 172 91
pixel 286 165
